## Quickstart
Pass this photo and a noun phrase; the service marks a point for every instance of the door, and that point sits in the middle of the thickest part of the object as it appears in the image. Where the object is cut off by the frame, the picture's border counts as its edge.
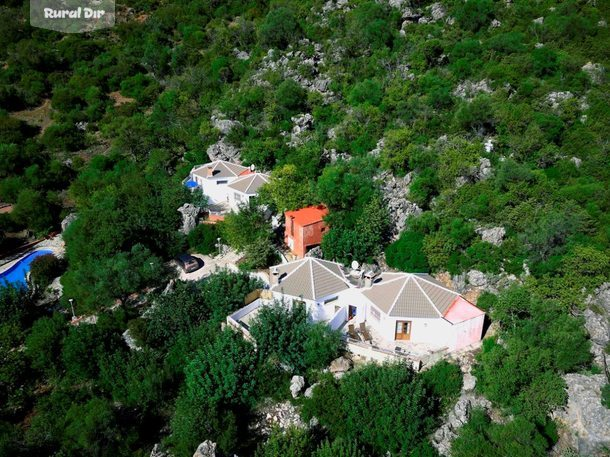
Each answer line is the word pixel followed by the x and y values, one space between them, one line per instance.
pixel 403 330
pixel 351 312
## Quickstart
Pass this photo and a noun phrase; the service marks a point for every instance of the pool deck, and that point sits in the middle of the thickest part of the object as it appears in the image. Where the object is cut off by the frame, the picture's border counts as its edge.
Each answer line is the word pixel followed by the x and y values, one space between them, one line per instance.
pixel 56 245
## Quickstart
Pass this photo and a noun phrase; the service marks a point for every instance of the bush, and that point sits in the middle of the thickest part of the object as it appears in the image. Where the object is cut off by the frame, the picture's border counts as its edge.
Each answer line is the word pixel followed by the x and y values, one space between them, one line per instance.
pixel 279 29
pixel 204 239
pixel 286 333
pixel 44 269
pixel 407 254
pixel 445 381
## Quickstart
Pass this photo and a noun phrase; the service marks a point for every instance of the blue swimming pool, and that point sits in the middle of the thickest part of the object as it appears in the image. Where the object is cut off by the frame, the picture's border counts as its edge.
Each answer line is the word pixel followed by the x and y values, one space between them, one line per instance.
pixel 16 274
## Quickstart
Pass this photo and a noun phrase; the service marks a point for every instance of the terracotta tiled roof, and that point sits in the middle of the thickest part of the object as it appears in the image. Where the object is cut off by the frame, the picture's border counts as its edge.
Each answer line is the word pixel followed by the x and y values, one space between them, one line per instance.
pixel 308 215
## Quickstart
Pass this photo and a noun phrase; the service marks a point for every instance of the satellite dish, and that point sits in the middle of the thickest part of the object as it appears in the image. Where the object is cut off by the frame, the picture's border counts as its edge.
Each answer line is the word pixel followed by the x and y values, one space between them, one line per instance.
pixel 252 167
pixel 355 265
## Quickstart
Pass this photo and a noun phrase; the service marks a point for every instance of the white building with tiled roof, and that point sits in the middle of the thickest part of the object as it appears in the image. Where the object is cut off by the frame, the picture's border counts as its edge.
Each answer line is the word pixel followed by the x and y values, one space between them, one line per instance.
pixel 227 185
pixel 387 312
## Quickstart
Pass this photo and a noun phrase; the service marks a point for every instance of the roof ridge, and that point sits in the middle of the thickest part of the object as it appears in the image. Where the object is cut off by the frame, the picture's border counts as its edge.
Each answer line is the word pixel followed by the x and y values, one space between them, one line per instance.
pixel 429 299
pixel 432 283
pixel 344 279
pixel 252 178
pixel 398 295
pixel 289 274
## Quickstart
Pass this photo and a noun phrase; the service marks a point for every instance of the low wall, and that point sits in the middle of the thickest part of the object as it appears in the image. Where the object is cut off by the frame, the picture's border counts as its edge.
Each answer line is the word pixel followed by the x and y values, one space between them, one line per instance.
pixel 338 319
pixel 379 355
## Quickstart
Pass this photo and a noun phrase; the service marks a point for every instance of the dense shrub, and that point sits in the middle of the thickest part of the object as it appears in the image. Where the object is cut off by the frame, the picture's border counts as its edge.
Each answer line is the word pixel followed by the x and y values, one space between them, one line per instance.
pixel 204 239
pixel 44 269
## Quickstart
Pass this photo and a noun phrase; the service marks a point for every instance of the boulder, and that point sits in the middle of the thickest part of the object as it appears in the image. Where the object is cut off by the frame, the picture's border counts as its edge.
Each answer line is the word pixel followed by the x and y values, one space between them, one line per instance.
pixel 555 99
pixel 206 449
pixel 190 216
pixel 485 170
pixel 296 385
pixel 395 191
pixel 340 365
pixel 493 235
pixel 595 71
pixel 477 278
pixel 495 24
pixel 585 417
pixel 309 391
pixel 576 161
pixel 65 223
pixel 539 20
pixel 599 329
pixel 240 55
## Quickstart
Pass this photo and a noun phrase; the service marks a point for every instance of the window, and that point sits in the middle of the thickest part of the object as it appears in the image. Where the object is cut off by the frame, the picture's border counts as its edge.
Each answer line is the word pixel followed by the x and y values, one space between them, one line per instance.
pixel 375 313
pixel 323 229
pixel 331 299
pixel 224 181
pixel 237 196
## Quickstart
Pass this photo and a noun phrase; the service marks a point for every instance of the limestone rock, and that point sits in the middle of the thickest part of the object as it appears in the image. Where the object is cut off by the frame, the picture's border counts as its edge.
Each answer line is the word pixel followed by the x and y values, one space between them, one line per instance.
pixel 300 125
pixel 65 223
pixel 190 216
pixel 555 99
pixel 576 161
pixel 309 391
pixel 493 235
pixel 395 194
pixel 437 11
pixel 595 71
pixel 477 278
pixel 340 365
pixel 241 55
pixel 206 449
pixel 223 150
pixel 130 341
pixel 467 90
pixel 585 416
pixel 489 144
pixel 456 419
pixel 495 24
pixel 539 20
pixel 222 124
pixel 276 415
pixel 485 170
pixel 296 385
pixel 158 451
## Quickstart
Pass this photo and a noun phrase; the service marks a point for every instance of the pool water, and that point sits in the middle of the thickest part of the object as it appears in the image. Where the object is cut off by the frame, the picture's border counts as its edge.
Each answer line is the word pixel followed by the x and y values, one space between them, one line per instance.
pixel 16 274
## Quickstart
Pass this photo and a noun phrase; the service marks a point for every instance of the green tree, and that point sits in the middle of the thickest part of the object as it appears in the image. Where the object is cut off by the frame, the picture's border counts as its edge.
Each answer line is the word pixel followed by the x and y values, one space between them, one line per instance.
pixel 407 254
pixel 43 344
pixel 279 29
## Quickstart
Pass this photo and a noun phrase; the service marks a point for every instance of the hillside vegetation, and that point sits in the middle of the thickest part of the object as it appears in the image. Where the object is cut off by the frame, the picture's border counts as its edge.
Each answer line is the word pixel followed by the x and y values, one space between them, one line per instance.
pixel 486 114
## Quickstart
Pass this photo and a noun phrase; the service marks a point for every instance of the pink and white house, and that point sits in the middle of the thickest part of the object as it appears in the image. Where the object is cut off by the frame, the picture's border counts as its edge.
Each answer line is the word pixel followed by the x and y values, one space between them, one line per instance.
pixel 390 311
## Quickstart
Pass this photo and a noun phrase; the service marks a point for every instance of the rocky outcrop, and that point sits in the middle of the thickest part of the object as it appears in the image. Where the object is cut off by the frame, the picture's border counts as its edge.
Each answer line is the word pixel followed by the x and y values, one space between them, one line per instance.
pixel 476 173
pixel 584 416
pixel 65 223
pixel 479 281
pixel 468 90
pixel 296 385
pixel 206 449
pixel 597 323
pixel 222 124
pixel 395 191
pixel 595 71
pixel 493 235
pixel 276 415
pixel 282 62
pixel 301 124
pixel 456 419
pixel 240 55
pixel 223 150
pixel 190 216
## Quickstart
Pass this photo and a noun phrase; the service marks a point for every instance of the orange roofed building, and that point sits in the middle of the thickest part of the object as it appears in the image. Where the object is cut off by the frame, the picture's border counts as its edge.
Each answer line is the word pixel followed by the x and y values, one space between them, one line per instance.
pixel 305 228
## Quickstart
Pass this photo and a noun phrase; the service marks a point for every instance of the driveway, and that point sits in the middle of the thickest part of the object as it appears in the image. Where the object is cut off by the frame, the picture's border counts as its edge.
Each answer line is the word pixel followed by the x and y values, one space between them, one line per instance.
pixel 226 261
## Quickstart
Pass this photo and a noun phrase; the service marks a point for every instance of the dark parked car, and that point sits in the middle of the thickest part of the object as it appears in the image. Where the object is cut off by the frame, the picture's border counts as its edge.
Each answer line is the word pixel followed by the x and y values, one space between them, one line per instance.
pixel 188 263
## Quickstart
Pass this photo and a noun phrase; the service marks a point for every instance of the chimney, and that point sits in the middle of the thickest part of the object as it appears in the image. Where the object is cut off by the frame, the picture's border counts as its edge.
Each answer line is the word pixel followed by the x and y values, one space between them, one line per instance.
pixel 210 171
pixel 275 276
pixel 368 279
